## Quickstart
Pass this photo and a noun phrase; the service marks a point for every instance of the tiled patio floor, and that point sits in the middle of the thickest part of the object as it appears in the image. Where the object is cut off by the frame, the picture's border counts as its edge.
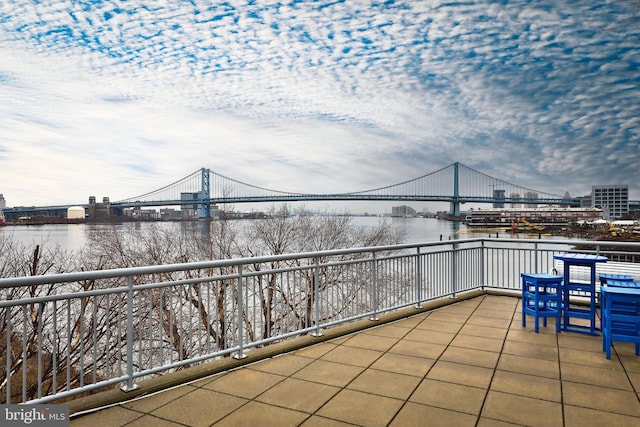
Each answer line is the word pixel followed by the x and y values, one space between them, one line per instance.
pixel 467 364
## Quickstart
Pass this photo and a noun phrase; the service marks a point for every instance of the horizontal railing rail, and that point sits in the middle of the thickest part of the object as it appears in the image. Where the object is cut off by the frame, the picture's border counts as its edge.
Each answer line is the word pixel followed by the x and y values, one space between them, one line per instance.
pixel 74 333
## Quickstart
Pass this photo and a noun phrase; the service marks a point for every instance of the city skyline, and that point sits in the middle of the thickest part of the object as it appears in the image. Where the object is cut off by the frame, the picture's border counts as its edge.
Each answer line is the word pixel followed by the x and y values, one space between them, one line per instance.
pixel 119 98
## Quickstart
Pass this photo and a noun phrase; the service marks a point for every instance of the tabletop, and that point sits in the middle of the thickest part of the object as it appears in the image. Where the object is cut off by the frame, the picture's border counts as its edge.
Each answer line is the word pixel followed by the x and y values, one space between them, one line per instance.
pixel 581 258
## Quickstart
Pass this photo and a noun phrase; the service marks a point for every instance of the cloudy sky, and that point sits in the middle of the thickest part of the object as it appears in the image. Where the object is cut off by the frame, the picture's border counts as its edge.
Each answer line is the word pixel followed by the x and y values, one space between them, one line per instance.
pixel 118 98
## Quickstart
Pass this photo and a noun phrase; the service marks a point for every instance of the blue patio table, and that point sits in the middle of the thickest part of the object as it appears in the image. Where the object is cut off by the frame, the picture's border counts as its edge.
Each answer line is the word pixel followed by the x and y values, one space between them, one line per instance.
pixel 589 288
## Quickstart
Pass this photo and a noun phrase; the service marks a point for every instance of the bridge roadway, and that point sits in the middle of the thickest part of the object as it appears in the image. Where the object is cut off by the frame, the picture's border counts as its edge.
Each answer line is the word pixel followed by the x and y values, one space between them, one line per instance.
pixel 14 213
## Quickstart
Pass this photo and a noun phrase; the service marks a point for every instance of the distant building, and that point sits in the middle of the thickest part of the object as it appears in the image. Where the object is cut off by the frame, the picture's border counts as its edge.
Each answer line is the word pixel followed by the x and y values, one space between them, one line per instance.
pixel 170 214
pixel 611 198
pixel 190 210
pixel 498 194
pixel 99 210
pixel 403 211
pixel 531 195
pixel 540 216
pixel 3 202
pixel 515 196
pixel 585 201
pixel 143 214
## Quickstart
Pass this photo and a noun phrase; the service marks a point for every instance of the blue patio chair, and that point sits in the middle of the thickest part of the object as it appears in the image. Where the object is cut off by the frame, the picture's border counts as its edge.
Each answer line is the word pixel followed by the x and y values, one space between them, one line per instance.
pixel 620 314
pixel 541 298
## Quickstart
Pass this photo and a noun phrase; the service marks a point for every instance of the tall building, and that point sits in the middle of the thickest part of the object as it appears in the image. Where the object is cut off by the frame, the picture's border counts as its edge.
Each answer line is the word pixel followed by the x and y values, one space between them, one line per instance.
pixel 99 210
pixel 3 202
pixel 531 195
pixel 403 211
pixel 190 210
pixel 498 195
pixel 614 199
pixel 515 196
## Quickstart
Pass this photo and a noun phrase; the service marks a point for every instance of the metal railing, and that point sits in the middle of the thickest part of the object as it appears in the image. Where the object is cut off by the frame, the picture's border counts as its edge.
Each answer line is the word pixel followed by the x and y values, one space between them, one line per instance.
pixel 66 334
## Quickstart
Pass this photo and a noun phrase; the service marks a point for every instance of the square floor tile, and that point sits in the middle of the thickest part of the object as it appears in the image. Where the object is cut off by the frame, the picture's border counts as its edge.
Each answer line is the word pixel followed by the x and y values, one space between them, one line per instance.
pixel 414 414
pixel 402 364
pixel 317 421
pixel 316 351
pixel 374 410
pixel 418 349
pixel 330 373
pixel 156 400
pixel 489 321
pixel 605 399
pixel 352 356
pixel 483 331
pixel 580 342
pixel 299 395
pixel 613 378
pixel 533 350
pixel 390 331
pixel 469 356
pixel 528 365
pixel 150 420
pixel 529 336
pixel 433 324
pixel 527 385
pixel 116 416
pixel 478 343
pixel 493 313
pixel 259 414
pixel 586 417
pixel 522 410
pixel 390 384
pixel 429 336
pixel 456 397
pixel 371 342
pixel 245 383
pixel 447 316
pixel 200 408
pixel 475 376
pixel 284 365
pixel 588 358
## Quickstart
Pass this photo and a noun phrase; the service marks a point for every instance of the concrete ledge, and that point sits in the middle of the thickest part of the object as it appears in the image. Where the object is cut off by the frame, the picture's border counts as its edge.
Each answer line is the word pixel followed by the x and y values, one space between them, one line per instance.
pixel 162 382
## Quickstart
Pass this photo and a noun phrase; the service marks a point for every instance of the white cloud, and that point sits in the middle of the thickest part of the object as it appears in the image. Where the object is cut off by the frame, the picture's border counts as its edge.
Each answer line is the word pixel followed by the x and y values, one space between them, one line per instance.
pixel 119 98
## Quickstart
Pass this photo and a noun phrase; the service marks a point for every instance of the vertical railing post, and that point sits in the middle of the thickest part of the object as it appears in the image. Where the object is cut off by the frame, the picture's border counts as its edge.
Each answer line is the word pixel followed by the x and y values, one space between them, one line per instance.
pixel 374 288
pixel 418 279
pixel 454 270
pixel 536 252
pixel 482 265
pixel 240 307
pixel 316 298
pixel 130 384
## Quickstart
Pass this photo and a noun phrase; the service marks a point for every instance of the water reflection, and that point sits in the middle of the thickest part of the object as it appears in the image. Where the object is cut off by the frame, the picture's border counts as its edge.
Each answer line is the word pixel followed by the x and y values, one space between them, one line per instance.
pixel 417 230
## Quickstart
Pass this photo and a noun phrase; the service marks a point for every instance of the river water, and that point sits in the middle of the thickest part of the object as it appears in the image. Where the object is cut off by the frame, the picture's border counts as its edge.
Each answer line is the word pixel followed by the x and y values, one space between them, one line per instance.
pixel 74 236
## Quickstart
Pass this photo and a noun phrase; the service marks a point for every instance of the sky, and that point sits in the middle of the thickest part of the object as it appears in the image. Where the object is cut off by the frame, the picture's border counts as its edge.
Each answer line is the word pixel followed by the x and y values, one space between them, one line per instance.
pixel 119 98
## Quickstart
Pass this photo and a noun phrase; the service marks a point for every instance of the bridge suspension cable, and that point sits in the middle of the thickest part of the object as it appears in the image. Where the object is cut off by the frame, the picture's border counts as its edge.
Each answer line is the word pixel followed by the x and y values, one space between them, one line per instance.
pixel 455 183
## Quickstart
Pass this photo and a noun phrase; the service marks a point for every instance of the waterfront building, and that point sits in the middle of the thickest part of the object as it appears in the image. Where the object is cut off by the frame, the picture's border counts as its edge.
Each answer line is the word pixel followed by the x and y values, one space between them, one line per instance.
pixel 99 210
pixel 611 198
pixel 403 211
pixel 541 216
pixel 3 202
pixel 190 209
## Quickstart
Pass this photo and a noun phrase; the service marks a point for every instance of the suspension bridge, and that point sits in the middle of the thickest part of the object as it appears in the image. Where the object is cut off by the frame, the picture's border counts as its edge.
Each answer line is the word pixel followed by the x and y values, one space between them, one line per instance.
pixel 456 184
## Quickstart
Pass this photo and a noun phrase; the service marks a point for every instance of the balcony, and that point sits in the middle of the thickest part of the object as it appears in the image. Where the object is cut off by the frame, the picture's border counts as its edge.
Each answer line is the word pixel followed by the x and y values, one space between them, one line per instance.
pixel 466 363
pixel 379 336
